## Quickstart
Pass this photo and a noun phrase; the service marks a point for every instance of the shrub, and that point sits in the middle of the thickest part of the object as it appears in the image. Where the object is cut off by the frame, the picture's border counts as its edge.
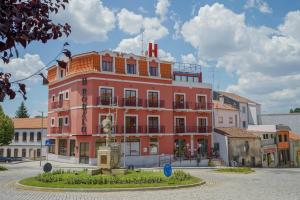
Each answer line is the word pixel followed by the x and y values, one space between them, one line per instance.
pixel 180 175
pixel 3 168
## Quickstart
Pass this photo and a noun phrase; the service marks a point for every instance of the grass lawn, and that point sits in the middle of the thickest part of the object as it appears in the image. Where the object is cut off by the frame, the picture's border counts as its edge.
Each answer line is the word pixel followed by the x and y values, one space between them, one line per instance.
pixel 132 179
pixel 3 168
pixel 241 170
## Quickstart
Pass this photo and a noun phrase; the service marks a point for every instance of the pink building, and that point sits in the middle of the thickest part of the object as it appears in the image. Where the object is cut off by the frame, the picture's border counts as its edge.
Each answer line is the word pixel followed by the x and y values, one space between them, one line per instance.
pixel 161 107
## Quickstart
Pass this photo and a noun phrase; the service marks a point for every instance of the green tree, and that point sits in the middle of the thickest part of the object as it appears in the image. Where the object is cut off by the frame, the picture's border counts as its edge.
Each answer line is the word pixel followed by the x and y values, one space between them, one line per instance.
pixel 6 129
pixel 22 111
pixel 296 110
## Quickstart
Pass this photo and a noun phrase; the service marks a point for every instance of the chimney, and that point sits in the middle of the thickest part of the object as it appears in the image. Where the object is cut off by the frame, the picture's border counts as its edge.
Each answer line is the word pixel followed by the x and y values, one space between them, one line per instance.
pixel 152 51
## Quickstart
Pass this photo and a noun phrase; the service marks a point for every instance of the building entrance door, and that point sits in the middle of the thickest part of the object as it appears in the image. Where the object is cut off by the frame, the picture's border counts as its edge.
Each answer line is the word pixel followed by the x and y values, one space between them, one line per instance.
pixel 84 153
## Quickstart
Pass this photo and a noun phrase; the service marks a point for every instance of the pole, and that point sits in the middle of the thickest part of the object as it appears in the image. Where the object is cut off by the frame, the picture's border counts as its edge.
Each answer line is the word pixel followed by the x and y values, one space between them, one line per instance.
pixel 42 139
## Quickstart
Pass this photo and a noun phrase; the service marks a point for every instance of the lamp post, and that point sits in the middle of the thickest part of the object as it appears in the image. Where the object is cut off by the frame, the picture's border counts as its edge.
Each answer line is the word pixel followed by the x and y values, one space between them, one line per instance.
pixel 42 130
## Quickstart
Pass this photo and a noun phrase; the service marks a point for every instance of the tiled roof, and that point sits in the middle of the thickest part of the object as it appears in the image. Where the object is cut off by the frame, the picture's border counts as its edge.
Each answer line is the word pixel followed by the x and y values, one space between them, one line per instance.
pixel 294 136
pixel 30 123
pixel 236 132
pixel 219 105
pixel 237 97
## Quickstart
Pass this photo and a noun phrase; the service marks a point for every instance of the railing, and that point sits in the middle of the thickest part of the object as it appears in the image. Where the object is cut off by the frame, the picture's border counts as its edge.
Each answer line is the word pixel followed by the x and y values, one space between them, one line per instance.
pixel 154 104
pixel 179 129
pixel 104 101
pixel 154 129
pixel 203 106
pixel 60 129
pixel 192 129
pixel 180 105
pixel 132 129
pixel 131 102
pixel 115 129
pixel 60 104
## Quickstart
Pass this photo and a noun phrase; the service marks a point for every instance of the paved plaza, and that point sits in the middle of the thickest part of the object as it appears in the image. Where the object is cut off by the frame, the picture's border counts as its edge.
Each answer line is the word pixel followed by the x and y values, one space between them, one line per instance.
pixel 264 184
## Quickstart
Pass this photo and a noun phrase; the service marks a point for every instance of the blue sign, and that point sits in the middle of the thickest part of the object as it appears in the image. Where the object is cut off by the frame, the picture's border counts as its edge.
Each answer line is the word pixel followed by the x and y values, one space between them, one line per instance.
pixel 48 143
pixel 167 170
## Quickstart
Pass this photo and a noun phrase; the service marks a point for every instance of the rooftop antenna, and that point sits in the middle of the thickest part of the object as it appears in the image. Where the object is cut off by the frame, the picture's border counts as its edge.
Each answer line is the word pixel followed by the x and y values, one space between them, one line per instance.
pixel 142 41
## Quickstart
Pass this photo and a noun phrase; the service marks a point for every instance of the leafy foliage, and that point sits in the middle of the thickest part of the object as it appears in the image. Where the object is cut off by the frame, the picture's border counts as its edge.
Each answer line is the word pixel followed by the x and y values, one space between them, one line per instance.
pixel 6 129
pixel 22 111
pixel 2 168
pixel 22 22
pixel 296 110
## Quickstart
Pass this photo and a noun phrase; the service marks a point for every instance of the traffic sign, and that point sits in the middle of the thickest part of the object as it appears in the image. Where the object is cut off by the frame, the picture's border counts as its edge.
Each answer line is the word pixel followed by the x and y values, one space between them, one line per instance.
pixel 167 170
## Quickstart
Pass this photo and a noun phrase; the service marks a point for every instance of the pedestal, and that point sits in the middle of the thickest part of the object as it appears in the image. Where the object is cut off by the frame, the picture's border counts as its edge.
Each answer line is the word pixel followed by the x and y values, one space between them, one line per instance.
pixel 109 156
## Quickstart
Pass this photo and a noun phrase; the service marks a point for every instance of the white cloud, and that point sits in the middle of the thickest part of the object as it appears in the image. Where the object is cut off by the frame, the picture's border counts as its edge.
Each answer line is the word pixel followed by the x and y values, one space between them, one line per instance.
pixel 90 20
pixel 261 5
pixel 163 55
pixel 265 60
pixel 130 22
pixel 142 10
pixel 23 67
pixel 188 58
pixel 161 8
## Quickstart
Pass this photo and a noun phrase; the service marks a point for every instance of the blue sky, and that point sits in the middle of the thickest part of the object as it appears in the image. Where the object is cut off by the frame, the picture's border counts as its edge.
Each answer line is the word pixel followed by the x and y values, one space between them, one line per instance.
pixel 253 46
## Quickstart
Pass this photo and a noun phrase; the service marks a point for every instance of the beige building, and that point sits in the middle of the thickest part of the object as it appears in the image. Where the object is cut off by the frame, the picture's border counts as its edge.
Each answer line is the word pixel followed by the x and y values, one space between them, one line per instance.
pixel 225 115
pixel 238 147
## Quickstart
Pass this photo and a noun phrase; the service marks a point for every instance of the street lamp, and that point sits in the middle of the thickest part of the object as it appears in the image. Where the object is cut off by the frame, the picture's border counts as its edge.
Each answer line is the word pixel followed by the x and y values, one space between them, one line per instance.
pixel 42 130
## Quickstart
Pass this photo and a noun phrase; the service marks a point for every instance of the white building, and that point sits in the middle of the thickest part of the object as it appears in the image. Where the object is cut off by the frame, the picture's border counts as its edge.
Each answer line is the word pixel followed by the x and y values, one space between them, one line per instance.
pixel 290 119
pixel 27 140
pixel 249 111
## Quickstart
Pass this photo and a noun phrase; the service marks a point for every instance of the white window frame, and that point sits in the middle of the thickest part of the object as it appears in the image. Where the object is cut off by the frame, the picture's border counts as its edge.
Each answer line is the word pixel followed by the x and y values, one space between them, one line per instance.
pixel 158 91
pixel 53 98
pixel 107 87
pixel 65 96
pixel 158 66
pixel 175 117
pixel 157 145
pixel 52 124
pixel 136 97
pixel 136 65
pixel 137 121
pixel 58 121
pixel 206 119
pixel 184 96
pixel 148 116
pixel 202 95
pixel 230 117
pixel 113 64
pixel 66 124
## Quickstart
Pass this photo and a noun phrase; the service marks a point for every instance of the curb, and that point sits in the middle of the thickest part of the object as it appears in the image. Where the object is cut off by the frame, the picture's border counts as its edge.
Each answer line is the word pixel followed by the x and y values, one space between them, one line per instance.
pixel 50 189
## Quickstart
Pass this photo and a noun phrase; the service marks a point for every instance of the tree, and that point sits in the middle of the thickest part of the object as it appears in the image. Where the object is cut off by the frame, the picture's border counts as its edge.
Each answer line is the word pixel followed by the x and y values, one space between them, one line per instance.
pixel 22 22
pixel 296 110
pixel 22 111
pixel 6 129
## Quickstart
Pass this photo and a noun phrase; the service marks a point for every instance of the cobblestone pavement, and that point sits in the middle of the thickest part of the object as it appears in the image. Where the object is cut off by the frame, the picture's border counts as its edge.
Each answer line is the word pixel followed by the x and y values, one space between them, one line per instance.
pixel 264 184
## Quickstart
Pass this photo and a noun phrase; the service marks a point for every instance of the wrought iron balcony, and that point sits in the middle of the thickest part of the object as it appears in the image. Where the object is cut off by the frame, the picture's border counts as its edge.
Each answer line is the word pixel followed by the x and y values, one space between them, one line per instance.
pixel 180 105
pixel 154 104
pixel 104 101
pixel 203 106
pixel 132 129
pixel 179 129
pixel 132 102
pixel 155 129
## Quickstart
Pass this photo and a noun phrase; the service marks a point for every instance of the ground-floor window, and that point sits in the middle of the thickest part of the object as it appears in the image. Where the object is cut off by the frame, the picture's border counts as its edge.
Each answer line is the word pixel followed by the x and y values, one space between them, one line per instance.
pixel 51 148
pixel 8 153
pixel 180 149
pixel 62 147
pixel 16 152
pixel 84 152
pixel 132 147
pixel 38 153
pixel 72 147
pixel 1 152
pixel 153 147
pixel 24 153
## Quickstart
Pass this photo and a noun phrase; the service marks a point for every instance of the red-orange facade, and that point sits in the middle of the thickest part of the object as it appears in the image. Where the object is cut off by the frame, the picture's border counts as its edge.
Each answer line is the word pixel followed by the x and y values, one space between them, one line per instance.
pixel 158 113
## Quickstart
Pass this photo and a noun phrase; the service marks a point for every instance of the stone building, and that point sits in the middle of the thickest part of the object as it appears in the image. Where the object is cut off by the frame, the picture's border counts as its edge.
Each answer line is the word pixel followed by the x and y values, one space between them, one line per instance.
pixel 239 146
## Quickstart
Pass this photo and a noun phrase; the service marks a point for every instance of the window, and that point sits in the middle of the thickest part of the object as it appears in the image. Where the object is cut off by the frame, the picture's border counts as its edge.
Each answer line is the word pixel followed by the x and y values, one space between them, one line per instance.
pixel 51 148
pixel 244 109
pixel 62 73
pixel 106 96
pixel 153 124
pixel 280 138
pixel 179 125
pixel 131 124
pixel 132 147
pixel 153 146
pixel 285 138
pixel 38 153
pixel 107 66
pixel 131 69
pixel 244 124
pixel 62 147
pixel 153 70
pixel 153 99
pixel 220 119
pixel 52 121
pixel 8 153
pixel 272 136
pixel 61 97
pixel 202 125
pixel 53 98
pixel 230 120
pixel 39 136
pixel 66 122
pixel 216 147
pixel 60 122
pixel 16 136
pixel 24 136
pixel 31 136
pixel 201 102
pixel 67 95
pixel 179 101
pixel 1 152
pixel 72 148
pixel 130 97
pixel 16 152
pixel 24 153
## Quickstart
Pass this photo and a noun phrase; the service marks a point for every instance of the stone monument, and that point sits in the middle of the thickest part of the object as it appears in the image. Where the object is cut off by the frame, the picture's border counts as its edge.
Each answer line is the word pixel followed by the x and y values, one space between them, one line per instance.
pixel 109 155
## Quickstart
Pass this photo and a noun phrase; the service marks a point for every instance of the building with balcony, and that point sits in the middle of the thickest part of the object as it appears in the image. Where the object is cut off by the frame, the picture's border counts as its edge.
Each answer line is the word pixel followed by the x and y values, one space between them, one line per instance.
pixel 27 140
pixel 156 107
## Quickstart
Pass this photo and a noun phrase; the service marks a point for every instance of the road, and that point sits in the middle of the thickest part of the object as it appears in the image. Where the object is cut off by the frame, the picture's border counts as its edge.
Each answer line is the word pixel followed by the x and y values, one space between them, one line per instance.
pixel 264 184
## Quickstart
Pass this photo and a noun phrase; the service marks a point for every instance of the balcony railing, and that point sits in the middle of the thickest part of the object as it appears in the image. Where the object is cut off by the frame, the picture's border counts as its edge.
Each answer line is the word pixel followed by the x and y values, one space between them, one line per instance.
pixel 155 129
pixel 115 129
pixel 131 102
pixel 203 106
pixel 180 105
pixel 154 104
pixel 60 129
pixel 192 129
pixel 104 101
pixel 132 129
pixel 179 129
pixel 60 104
